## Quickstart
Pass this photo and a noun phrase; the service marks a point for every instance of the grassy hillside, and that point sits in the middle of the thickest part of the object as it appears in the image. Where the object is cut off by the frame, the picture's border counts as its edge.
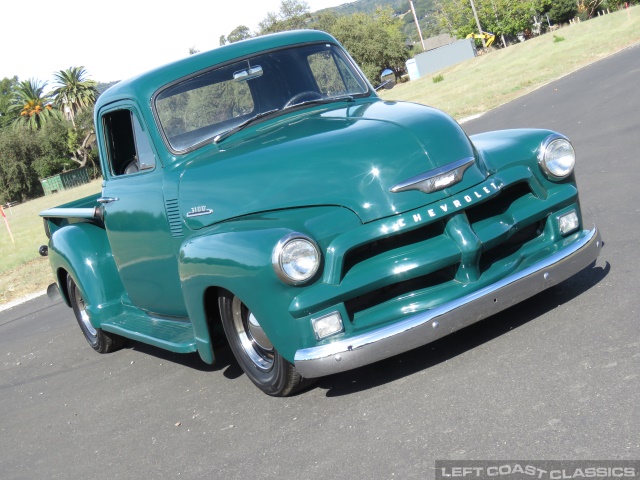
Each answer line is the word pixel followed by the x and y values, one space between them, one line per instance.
pixel 484 82
pixel 468 88
pixel 424 11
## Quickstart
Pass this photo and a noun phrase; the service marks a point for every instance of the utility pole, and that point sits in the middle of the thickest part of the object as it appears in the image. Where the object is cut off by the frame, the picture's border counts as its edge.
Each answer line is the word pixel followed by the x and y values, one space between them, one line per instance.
pixel 415 18
pixel 475 14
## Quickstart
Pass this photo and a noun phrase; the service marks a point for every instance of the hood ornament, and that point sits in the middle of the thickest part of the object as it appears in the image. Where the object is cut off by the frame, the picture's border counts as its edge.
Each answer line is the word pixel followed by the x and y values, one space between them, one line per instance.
pixel 436 179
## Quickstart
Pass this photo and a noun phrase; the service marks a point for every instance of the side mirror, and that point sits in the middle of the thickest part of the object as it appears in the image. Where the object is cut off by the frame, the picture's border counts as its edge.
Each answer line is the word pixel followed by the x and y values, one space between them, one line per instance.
pixel 388 79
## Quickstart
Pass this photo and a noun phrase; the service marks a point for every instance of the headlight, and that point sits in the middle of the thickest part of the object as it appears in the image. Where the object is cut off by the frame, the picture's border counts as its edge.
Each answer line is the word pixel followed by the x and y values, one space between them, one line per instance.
pixel 557 157
pixel 296 258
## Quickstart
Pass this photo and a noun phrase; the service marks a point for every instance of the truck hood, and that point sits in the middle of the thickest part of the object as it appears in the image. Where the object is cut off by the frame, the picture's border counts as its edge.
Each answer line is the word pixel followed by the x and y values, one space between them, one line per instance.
pixel 349 155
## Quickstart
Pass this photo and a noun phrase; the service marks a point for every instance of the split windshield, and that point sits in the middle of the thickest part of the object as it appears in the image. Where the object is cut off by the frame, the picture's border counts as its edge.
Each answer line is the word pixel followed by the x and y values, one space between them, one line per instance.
pixel 218 101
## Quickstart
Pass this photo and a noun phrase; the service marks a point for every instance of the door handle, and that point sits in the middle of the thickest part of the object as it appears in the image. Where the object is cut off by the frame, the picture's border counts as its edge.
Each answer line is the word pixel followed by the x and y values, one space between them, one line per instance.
pixel 107 199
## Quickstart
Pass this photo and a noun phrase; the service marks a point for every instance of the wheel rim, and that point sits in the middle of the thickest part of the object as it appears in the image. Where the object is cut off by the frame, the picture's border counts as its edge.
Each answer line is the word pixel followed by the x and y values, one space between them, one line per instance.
pixel 252 338
pixel 84 317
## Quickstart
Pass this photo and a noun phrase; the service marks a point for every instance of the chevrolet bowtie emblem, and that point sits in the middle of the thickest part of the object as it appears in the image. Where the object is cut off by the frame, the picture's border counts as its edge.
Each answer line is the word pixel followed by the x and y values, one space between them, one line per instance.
pixel 436 179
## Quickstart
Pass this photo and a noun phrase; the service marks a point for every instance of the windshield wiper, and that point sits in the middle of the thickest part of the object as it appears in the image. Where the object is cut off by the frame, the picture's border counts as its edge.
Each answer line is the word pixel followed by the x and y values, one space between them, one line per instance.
pixel 320 101
pixel 227 133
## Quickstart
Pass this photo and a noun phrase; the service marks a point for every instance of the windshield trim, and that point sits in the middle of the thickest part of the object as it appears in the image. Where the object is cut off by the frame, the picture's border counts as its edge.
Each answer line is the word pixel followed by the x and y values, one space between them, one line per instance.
pixel 209 140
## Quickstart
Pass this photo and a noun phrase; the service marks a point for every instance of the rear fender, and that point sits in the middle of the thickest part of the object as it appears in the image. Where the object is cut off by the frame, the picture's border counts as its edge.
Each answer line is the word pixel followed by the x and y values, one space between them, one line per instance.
pixel 82 250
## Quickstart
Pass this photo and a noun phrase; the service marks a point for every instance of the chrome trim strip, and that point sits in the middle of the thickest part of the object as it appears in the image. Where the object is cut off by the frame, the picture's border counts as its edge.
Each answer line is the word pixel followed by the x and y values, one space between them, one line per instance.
pixel 413 182
pixel 89 212
pixel 107 199
pixel 428 326
pixel 199 214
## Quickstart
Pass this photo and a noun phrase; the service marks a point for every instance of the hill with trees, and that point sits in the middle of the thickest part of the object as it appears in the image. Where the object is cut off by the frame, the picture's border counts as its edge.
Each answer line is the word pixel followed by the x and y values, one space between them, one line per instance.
pixel 425 12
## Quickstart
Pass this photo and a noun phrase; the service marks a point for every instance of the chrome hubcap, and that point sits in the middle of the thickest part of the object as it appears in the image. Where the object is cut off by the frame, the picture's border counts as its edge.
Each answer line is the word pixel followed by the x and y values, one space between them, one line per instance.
pixel 258 335
pixel 84 317
pixel 252 338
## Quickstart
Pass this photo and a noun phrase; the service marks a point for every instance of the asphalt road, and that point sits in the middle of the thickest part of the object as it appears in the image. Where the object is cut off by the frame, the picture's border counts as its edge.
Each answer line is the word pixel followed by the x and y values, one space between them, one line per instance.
pixel 556 377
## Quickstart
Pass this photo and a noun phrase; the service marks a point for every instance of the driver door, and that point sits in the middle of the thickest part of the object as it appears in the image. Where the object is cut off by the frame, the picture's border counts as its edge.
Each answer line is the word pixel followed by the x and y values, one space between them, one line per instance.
pixel 135 215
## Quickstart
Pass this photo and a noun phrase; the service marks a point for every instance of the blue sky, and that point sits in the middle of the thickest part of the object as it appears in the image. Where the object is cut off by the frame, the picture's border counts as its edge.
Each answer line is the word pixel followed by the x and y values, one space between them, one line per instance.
pixel 119 38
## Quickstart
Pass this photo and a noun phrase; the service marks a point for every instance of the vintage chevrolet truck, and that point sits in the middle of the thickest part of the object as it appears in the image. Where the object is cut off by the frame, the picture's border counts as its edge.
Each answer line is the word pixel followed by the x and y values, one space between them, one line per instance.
pixel 264 194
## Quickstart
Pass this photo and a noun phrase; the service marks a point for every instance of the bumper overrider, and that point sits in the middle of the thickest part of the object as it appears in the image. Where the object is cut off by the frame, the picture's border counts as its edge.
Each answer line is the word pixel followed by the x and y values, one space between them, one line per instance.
pixel 428 326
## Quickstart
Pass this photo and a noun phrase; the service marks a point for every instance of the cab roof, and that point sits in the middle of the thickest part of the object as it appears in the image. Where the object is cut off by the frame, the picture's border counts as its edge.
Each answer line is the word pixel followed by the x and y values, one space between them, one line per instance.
pixel 143 86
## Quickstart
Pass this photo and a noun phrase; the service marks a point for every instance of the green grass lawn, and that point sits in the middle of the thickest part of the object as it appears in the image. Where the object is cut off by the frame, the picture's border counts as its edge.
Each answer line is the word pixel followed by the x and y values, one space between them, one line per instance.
pixel 22 270
pixel 468 88
pixel 487 81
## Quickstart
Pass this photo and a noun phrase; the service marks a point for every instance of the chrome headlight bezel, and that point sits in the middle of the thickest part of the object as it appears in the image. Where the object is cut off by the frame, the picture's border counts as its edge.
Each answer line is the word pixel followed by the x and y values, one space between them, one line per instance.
pixel 283 247
pixel 548 157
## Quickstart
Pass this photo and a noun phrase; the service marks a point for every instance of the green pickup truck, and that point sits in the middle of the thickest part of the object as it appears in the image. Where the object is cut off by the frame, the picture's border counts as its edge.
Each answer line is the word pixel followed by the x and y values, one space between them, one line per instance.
pixel 264 194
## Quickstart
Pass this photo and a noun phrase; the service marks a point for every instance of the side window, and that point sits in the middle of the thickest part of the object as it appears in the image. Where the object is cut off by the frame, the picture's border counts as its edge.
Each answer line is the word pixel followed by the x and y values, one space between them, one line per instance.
pixel 128 147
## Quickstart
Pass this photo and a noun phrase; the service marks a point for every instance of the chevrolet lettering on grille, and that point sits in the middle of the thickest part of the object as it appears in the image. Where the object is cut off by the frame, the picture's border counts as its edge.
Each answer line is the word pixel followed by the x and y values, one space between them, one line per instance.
pixel 443 208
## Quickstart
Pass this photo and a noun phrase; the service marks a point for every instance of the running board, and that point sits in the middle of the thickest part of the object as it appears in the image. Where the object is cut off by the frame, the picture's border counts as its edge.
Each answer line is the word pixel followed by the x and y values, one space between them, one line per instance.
pixel 175 336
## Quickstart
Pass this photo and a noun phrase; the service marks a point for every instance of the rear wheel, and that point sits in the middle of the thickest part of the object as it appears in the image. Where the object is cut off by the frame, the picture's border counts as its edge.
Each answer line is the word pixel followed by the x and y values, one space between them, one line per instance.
pixel 257 357
pixel 100 341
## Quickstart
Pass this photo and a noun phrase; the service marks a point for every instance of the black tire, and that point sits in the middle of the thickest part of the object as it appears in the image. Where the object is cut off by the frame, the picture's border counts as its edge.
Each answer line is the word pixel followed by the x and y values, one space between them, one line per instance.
pixel 100 341
pixel 262 363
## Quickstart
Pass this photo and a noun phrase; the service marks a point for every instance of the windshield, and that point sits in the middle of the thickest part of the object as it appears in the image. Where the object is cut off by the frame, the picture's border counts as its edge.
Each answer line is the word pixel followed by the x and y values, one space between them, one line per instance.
pixel 198 109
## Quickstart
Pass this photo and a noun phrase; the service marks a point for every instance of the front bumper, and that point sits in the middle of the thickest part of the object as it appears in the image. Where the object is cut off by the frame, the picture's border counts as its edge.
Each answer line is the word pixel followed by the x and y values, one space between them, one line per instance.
pixel 431 325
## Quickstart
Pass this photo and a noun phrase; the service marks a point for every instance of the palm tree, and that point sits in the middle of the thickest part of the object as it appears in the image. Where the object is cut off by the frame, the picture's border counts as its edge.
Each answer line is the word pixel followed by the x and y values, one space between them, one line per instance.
pixel 74 91
pixel 31 104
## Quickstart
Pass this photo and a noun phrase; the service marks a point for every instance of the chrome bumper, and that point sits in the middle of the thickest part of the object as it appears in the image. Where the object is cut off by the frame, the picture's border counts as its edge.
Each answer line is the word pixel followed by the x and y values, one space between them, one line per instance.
pixel 431 325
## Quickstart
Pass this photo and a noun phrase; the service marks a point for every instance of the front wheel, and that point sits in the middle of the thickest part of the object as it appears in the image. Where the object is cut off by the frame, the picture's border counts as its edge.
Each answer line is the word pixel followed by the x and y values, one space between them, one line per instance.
pixel 257 357
pixel 100 341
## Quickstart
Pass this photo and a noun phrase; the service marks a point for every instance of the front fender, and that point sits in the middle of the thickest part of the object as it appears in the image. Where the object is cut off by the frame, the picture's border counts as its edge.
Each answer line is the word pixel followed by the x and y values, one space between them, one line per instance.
pixel 236 256
pixel 504 148
pixel 82 250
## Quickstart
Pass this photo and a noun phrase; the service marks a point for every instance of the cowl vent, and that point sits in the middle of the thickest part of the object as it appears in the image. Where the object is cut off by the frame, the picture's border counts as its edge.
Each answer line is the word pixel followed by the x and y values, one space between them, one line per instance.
pixel 173 215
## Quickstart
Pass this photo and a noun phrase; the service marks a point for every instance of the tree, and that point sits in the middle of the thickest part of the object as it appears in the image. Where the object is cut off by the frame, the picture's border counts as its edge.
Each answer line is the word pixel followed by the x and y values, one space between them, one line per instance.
pixel 239 33
pixel 376 41
pixel 7 86
pixel 52 154
pixel 32 106
pixel 81 141
pixel 293 15
pixel 563 10
pixel 588 8
pixel 617 4
pixel 18 179
pixel 501 17
pixel 74 91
